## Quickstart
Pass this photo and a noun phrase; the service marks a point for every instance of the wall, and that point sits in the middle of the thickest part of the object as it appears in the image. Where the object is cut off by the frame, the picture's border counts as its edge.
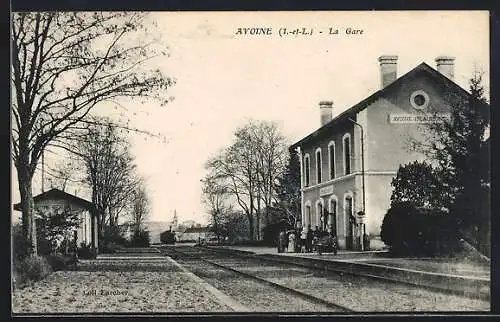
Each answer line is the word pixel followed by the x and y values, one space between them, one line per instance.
pixel 341 188
pixel 336 136
pixel 388 144
pixel 84 232
pixel 378 194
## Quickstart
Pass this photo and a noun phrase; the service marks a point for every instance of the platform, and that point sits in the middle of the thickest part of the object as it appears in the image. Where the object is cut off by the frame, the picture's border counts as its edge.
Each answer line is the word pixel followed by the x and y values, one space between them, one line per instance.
pixel 460 276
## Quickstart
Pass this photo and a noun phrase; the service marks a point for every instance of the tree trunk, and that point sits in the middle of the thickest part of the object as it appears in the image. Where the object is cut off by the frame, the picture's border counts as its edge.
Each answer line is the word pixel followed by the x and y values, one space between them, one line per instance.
pixel 250 226
pixel 27 207
pixel 258 215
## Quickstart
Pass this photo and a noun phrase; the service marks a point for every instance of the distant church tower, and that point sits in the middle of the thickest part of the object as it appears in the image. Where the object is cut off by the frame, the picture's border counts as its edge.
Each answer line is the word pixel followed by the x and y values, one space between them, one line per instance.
pixel 175 221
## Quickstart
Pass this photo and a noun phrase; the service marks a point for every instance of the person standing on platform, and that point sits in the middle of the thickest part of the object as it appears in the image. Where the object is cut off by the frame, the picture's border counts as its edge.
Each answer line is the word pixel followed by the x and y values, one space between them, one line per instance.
pixel 309 238
pixel 303 241
pixel 291 242
pixel 281 241
pixel 297 241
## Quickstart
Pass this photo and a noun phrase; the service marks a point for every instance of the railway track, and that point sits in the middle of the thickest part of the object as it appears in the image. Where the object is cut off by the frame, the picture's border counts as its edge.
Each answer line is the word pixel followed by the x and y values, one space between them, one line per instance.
pixel 339 291
pixel 200 255
pixel 344 268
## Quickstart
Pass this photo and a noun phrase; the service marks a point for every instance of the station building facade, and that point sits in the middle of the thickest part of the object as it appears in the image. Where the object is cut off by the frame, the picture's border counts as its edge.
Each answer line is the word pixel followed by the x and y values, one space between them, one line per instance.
pixel 383 124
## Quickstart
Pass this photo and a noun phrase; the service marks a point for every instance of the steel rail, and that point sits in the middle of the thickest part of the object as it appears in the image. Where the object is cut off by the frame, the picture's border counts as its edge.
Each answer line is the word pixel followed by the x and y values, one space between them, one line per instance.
pixel 285 289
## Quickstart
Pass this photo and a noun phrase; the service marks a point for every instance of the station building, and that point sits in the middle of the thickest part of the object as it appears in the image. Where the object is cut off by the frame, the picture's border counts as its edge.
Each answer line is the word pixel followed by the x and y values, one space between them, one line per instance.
pixel 378 128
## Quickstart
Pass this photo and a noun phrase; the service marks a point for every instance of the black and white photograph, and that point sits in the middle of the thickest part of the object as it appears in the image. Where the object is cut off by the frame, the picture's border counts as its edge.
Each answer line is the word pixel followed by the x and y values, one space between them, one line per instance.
pixel 250 162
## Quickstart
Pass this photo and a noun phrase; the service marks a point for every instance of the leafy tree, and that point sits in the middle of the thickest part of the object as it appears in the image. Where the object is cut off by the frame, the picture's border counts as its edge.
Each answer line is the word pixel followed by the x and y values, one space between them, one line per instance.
pixel 419 184
pixel 56 225
pixel 456 146
pixel 236 224
pixel 410 231
pixel 64 65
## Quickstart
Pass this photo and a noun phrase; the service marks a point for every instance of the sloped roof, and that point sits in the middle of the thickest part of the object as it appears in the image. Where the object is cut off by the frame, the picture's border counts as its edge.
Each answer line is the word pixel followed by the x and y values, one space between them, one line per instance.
pixel 352 111
pixel 57 194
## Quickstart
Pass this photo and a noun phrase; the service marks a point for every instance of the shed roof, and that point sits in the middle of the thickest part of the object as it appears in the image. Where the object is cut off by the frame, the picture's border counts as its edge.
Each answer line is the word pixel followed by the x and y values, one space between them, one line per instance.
pixel 56 194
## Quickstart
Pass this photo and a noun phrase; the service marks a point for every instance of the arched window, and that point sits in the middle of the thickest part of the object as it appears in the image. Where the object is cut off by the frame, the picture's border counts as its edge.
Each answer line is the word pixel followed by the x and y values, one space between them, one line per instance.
pixel 318 165
pixel 307 169
pixel 331 160
pixel 346 140
pixel 319 214
pixel 333 210
pixel 348 217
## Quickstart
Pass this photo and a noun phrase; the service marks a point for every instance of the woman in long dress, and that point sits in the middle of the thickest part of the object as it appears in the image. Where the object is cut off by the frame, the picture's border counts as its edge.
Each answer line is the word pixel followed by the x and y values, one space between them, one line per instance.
pixel 291 242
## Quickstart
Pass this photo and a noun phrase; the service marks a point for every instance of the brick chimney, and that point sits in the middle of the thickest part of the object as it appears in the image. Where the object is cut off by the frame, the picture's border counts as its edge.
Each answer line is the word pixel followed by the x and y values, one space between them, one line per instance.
pixel 446 66
pixel 325 108
pixel 388 69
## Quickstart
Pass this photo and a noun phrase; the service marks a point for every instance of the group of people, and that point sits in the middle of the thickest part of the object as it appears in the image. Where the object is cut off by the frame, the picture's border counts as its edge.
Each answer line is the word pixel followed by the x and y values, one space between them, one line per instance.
pixel 291 241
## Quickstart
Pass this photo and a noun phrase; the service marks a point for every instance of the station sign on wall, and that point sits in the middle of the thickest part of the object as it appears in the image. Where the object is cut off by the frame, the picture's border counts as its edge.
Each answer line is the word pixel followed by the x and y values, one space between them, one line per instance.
pixel 418 118
pixel 328 190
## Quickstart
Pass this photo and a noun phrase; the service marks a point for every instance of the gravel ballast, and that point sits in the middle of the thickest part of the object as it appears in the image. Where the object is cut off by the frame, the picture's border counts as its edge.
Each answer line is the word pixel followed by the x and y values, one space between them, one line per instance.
pixel 256 296
pixel 359 293
pixel 116 287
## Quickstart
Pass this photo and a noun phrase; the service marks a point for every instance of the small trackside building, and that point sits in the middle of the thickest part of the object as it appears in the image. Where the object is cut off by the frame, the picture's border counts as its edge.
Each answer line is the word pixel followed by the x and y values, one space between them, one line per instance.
pixel 55 200
pixel 331 156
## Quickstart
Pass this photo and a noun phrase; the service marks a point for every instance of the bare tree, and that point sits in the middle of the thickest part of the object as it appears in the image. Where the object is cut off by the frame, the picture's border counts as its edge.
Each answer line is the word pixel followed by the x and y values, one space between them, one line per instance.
pixel 215 196
pixel 288 191
pixel 270 153
pixel 140 206
pixel 64 64
pixel 249 168
pixel 64 174
pixel 235 171
pixel 109 171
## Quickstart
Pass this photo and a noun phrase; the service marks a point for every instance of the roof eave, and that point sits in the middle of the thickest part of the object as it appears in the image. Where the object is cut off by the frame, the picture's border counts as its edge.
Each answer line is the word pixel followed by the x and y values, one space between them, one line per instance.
pixel 364 103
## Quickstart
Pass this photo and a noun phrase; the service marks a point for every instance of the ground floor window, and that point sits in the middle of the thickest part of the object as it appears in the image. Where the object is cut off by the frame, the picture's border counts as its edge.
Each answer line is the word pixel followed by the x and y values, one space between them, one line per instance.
pixel 333 215
pixel 349 220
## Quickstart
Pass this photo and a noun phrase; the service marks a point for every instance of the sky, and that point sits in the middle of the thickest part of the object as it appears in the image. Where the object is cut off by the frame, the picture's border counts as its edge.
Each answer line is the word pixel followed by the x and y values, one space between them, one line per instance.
pixel 223 79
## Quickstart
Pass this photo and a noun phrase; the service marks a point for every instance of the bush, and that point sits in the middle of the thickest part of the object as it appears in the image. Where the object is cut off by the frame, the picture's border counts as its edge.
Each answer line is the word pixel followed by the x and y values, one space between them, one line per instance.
pixel 110 247
pixel 271 231
pixel 411 231
pixel 86 252
pixel 167 237
pixel 20 245
pixel 140 238
pixel 30 269
pixel 112 236
pixel 61 262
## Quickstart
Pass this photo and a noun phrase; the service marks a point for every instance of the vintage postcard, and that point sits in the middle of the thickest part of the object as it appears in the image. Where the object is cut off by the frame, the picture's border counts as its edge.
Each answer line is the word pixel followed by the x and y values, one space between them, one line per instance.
pixel 308 162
